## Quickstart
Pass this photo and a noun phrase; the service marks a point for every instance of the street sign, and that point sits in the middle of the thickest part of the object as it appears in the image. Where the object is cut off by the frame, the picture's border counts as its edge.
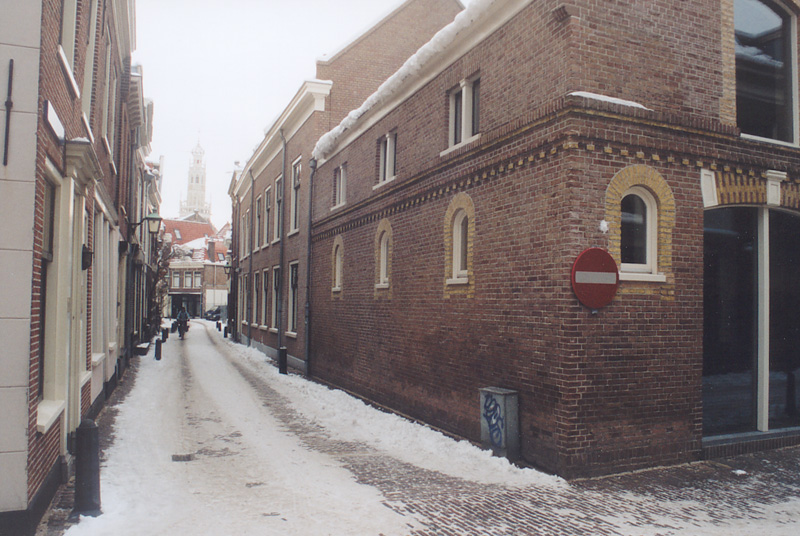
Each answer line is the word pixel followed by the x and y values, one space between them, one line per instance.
pixel 595 278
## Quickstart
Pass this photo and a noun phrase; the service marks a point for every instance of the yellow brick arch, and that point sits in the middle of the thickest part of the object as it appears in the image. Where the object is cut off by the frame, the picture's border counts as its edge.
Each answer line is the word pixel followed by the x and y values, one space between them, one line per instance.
pixel 645 177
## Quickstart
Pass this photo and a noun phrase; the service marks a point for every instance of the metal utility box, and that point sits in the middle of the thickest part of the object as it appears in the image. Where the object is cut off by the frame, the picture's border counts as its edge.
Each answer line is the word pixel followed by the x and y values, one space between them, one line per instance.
pixel 500 421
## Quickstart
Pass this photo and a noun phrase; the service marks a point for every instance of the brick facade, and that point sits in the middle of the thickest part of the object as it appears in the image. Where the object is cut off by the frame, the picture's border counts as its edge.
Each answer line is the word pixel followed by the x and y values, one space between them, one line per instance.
pixel 614 390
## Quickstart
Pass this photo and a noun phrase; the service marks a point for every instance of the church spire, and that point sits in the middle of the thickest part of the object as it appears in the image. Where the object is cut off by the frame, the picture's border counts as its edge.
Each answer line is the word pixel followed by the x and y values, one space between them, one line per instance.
pixel 196 188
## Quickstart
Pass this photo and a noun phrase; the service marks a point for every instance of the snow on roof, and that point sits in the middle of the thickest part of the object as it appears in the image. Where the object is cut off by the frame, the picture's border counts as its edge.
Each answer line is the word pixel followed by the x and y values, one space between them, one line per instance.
pixel 410 68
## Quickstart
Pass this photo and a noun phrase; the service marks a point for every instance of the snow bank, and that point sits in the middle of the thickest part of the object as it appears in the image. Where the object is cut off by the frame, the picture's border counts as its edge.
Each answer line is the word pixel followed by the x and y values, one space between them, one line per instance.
pixel 349 419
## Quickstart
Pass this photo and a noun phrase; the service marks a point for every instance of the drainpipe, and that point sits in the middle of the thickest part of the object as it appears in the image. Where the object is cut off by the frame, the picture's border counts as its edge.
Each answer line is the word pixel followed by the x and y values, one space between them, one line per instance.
pixel 281 349
pixel 313 165
pixel 249 245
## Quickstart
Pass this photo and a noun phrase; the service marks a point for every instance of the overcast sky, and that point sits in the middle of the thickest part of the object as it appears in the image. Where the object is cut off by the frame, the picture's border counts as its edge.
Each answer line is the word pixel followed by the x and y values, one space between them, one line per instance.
pixel 221 71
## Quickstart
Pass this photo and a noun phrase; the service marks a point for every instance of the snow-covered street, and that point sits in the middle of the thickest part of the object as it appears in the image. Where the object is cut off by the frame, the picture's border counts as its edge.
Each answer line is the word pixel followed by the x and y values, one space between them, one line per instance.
pixel 211 440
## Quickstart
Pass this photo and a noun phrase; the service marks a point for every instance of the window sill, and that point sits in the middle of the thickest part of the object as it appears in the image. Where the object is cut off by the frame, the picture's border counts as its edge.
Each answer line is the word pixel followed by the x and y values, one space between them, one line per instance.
pixel 337 207
pixel 291 334
pixel 273 330
pixel 48 413
pixel 276 241
pixel 647 278
pixel 458 281
pixel 336 289
pixel 73 84
pixel 263 328
pixel 382 183
pixel 97 359
pixel 464 143
pixel 771 141
pixel 293 232
pixel 380 286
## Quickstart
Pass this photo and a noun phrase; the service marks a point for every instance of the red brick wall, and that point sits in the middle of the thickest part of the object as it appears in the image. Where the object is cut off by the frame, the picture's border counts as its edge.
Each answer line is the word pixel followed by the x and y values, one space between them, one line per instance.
pixel 598 393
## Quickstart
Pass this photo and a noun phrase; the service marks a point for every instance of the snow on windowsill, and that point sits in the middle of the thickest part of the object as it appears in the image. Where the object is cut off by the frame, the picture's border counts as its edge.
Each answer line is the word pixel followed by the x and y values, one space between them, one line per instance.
pixel 613 100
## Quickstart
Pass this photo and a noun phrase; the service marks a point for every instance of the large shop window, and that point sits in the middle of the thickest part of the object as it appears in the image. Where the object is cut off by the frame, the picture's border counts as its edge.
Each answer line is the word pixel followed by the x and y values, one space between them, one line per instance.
pixel 751 336
pixel 765 96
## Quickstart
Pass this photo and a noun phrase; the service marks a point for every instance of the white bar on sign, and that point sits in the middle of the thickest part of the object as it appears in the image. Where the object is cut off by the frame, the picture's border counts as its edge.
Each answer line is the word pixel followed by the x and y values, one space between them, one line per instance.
pixel 600 278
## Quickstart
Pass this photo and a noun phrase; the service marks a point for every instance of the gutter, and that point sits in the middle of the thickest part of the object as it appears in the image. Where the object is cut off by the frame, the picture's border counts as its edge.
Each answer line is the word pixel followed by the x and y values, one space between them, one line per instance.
pixel 307 335
pixel 281 348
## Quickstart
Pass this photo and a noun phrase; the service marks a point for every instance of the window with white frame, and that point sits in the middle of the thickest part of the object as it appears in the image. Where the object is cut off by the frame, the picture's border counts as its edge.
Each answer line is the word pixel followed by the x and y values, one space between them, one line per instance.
pixel 293 297
pixel 387 148
pixel 187 279
pixel 87 90
pixel 267 213
pixel 766 69
pixel 197 280
pixel 265 297
pixel 69 19
pixel 383 259
pixel 278 209
pixel 294 208
pixel 259 225
pixel 638 231
pixel 276 295
pixel 460 245
pixel 340 185
pixel 176 280
pixel 464 103
pixel 337 268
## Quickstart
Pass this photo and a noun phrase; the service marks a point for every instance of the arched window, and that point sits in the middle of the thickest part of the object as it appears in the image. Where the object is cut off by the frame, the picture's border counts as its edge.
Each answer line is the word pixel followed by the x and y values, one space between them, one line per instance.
pixel 460 245
pixel 638 231
pixel 337 265
pixel 765 94
pixel 383 258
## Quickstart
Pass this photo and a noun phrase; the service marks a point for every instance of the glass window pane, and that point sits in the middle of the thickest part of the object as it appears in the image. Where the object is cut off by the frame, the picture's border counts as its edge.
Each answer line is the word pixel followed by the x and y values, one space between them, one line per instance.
pixel 784 336
pixel 730 320
pixel 457 117
pixel 764 100
pixel 633 245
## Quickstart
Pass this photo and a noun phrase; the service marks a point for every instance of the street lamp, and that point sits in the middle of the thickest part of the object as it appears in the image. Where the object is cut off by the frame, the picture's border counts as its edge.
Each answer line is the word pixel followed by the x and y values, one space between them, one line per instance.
pixel 227 265
pixel 153 223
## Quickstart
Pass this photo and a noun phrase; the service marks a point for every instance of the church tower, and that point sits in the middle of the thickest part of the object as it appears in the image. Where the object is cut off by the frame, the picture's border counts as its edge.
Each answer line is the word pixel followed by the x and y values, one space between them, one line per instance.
pixel 196 193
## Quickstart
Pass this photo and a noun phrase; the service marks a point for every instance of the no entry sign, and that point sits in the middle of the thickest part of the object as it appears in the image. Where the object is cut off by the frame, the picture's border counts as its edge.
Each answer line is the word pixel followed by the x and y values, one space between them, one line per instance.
pixel 595 278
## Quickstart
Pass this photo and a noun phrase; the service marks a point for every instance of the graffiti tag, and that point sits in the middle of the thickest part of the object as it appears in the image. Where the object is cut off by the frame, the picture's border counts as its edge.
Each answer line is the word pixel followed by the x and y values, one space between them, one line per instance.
pixel 493 414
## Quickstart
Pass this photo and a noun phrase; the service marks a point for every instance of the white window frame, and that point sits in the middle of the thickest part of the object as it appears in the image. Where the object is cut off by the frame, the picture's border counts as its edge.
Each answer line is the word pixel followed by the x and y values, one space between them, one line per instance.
pixel 187 275
pixel 259 238
pixel 647 271
pixel 340 186
pixel 460 270
pixel 278 229
pixel 383 261
pixel 338 262
pixel 465 89
pixel 267 215
pixel 176 279
pixel 265 296
pixel 275 296
pixel 294 207
pixel 387 171
pixel 294 295
pixel 198 280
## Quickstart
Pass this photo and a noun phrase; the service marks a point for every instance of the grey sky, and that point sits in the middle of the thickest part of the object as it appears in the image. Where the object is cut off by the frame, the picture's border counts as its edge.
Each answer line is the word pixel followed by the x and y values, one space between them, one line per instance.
pixel 220 72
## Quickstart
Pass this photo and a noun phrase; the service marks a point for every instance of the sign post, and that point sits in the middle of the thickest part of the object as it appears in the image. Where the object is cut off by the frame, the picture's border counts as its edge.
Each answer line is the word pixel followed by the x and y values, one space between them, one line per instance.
pixel 595 278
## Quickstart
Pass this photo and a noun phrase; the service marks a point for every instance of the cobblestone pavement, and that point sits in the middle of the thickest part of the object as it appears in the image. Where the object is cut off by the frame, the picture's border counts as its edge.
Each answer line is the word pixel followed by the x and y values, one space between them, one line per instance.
pixel 752 494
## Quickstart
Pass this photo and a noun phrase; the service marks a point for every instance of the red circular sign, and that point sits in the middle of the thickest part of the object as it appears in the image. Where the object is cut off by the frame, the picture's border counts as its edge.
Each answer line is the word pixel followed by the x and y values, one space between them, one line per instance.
pixel 595 278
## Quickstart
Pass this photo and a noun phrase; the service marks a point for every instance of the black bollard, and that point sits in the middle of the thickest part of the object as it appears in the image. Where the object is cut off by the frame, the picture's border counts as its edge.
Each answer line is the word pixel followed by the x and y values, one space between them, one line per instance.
pixel 87 470
pixel 225 333
pixel 164 334
pixel 158 349
pixel 282 360
pixel 219 326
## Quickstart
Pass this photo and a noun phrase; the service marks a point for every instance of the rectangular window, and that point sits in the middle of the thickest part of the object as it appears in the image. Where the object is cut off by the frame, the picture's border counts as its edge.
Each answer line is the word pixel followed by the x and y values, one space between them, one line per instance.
pixel 387 157
pixel 278 208
pixel 198 280
pixel 339 185
pixel 265 297
pixel 187 280
pixel 464 112
pixel 176 280
pixel 293 297
pixel 88 71
pixel 259 226
pixel 267 210
pixel 47 258
pixel 294 209
pixel 276 295
pixel 69 18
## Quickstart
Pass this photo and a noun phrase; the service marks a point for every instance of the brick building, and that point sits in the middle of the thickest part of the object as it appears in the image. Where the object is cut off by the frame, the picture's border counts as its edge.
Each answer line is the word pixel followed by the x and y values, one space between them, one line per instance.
pixel 528 131
pixel 270 194
pixel 73 184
